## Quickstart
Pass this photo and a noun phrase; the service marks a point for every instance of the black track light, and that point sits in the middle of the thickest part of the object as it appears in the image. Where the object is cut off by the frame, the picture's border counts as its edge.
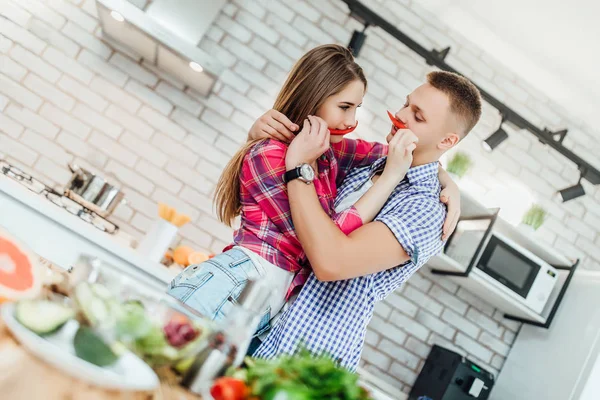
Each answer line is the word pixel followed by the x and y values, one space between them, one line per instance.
pixel 357 40
pixel 572 192
pixel 495 139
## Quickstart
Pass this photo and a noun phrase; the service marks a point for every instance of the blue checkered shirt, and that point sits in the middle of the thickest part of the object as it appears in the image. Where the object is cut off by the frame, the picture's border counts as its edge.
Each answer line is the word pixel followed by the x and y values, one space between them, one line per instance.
pixel 332 317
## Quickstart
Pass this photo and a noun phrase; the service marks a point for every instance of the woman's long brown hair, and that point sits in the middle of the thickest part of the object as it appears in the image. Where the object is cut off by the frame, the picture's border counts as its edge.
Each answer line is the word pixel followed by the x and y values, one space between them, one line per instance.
pixel 322 72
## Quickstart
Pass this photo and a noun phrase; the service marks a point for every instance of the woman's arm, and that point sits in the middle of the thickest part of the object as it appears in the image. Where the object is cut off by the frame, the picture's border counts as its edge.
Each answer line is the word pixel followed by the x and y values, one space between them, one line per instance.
pixel 450 196
pixel 398 162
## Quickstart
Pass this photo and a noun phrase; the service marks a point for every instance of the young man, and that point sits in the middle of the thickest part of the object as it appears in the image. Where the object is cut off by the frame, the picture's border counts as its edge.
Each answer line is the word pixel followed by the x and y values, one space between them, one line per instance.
pixel 352 273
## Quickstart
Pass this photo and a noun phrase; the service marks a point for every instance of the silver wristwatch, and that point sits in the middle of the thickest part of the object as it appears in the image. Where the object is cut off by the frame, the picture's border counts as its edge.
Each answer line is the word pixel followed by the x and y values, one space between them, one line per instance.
pixel 303 172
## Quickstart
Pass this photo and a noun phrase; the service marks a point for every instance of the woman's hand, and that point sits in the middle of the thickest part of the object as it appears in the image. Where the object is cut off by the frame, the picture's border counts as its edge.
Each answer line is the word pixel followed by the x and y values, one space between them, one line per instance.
pixel 273 125
pixel 450 196
pixel 309 144
pixel 400 154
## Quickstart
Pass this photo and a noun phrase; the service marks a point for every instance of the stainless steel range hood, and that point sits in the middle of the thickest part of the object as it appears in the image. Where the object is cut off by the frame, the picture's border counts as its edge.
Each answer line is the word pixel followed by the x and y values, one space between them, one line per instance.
pixel 167 35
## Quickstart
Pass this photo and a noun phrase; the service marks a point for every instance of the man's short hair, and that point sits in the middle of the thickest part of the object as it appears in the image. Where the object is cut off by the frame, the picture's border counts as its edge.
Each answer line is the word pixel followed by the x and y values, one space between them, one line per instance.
pixel 465 99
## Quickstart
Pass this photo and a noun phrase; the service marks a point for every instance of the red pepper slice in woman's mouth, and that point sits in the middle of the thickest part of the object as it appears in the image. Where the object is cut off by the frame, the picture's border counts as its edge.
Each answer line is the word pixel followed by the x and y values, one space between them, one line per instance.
pixel 343 131
pixel 397 123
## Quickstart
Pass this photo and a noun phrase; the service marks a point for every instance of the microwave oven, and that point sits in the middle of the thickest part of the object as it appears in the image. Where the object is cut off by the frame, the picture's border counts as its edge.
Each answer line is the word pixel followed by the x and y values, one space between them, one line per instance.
pixel 517 271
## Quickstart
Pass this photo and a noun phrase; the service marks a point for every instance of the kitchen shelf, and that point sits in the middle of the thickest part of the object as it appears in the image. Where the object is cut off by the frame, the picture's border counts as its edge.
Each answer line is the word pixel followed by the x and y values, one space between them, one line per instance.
pixel 492 291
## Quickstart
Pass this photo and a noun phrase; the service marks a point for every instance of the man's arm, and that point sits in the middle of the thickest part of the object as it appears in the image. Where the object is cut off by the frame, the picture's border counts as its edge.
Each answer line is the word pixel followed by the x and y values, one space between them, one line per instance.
pixel 333 255
pixel 411 232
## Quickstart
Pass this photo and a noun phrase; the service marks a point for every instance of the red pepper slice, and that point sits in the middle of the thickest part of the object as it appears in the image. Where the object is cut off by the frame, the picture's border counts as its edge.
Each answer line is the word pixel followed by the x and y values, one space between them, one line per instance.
pixel 343 131
pixel 397 123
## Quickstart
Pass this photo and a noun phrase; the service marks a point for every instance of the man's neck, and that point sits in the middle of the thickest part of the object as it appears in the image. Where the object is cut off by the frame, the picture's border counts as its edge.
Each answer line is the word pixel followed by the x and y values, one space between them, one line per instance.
pixel 422 159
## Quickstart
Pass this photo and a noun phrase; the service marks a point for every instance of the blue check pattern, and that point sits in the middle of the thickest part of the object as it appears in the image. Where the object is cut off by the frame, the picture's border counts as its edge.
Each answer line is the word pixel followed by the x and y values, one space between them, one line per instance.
pixel 332 317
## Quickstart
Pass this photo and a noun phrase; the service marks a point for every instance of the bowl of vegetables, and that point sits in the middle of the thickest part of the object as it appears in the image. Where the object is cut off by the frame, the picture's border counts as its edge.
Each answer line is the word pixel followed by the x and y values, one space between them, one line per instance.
pixel 101 313
pixel 128 313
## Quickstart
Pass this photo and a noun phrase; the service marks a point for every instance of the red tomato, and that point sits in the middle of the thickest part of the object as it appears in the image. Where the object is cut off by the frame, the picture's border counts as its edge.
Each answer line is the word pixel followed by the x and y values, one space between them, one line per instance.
pixel 227 388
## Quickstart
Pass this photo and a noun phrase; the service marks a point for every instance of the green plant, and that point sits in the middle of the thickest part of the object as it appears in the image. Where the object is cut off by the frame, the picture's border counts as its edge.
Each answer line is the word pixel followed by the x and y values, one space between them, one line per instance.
pixel 459 164
pixel 535 216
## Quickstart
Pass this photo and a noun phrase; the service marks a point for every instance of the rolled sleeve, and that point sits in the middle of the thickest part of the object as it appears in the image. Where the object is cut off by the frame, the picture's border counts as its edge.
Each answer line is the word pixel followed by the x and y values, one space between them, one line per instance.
pixel 348 220
pixel 417 225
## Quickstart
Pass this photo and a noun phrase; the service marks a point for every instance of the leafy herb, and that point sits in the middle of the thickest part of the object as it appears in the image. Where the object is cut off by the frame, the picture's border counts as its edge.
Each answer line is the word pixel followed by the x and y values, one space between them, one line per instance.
pixel 303 376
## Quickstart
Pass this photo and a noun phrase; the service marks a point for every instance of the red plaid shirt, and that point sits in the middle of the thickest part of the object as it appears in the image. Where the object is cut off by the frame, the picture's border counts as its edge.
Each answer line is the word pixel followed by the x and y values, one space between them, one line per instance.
pixel 266 220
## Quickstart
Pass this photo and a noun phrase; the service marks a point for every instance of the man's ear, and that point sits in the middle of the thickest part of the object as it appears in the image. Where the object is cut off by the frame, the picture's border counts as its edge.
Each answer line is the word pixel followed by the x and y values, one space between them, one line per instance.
pixel 449 141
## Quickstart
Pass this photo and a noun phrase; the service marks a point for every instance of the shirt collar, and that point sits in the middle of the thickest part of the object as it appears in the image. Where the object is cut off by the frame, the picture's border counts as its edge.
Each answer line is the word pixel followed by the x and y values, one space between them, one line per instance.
pixel 414 174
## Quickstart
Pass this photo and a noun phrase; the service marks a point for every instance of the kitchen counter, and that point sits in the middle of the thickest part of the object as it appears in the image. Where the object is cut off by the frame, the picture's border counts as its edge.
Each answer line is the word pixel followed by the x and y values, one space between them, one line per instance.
pixel 57 235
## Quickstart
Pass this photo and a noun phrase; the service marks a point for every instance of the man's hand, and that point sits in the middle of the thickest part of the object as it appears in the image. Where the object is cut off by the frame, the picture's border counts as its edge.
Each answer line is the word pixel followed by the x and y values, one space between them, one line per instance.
pixel 273 125
pixel 400 154
pixel 309 144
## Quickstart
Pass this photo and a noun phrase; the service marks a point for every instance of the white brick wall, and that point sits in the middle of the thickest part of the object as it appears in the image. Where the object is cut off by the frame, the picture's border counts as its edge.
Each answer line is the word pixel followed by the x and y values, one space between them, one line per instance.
pixel 68 94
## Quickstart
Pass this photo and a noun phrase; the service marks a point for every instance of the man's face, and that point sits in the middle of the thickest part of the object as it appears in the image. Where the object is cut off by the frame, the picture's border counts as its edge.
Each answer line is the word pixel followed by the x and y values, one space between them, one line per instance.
pixel 427 114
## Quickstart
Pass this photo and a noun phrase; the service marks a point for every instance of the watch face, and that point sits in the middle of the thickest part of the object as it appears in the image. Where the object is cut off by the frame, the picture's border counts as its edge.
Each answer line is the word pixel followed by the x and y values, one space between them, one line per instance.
pixel 307 172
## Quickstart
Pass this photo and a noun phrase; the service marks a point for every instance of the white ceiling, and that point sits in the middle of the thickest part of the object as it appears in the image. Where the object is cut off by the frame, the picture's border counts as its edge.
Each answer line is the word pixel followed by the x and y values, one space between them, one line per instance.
pixel 552 44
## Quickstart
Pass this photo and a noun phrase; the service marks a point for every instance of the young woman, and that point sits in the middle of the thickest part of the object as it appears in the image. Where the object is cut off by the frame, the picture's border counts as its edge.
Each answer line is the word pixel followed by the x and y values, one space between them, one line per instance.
pixel 325 82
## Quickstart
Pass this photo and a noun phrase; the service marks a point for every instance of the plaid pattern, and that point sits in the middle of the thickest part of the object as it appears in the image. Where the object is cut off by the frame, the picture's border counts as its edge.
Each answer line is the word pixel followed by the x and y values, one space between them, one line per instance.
pixel 266 220
pixel 332 317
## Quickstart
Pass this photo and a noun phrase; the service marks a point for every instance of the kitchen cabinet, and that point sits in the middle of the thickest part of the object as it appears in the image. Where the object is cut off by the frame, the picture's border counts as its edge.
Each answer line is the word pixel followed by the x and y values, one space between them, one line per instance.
pixel 559 363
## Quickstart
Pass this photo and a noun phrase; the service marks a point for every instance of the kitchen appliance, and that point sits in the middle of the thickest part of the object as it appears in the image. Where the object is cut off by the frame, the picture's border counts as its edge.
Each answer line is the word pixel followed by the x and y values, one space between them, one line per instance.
pixel 73 207
pixel 516 270
pixel 93 191
pixel 167 34
pixel 447 375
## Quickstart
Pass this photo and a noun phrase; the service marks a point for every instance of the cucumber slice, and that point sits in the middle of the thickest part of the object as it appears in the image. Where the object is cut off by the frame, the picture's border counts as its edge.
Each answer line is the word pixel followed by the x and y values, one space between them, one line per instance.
pixel 94 308
pixel 92 348
pixel 42 316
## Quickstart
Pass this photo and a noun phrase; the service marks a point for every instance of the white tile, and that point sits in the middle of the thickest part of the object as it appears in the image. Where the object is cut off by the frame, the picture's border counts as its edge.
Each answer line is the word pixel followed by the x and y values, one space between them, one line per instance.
pixel 133 69
pixel 68 65
pixel 257 26
pixel 49 92
pixel 9 126
pixel 73 13
pixel 162 123
pixel 223 125
pixel 149 97
pixel 87 40
pixel 130 178
pixel 193 125
pixel 32 121
pixel 22 36
pixel 113 149
pixel 58 173
pixel 115 95
pixel 244 52
pixel 144 149
pixel 189 176
pixel 179 98
pixel 15 13
pixel 17 150
pixel 174 149
pixel 11 68
pixel 44 146
pixel 158 176
pixel 134 124
pixel 98 65
pixel 35 64
pixel 19 94
pixel 82 93
pixel 97 121
pixel 65 121
pixel 53 37
pixel 42 12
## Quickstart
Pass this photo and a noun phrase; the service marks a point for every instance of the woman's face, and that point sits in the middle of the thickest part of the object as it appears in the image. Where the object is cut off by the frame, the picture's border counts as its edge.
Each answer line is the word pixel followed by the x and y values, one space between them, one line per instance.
pixel 339 110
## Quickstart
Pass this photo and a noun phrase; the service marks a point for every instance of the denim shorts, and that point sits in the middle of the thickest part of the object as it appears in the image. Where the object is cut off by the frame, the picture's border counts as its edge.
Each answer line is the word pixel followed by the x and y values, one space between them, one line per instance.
pixel 212 287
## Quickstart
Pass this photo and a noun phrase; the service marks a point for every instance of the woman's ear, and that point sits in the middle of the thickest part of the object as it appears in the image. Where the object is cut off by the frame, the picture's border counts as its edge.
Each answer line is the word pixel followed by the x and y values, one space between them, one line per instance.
pixel 449 141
